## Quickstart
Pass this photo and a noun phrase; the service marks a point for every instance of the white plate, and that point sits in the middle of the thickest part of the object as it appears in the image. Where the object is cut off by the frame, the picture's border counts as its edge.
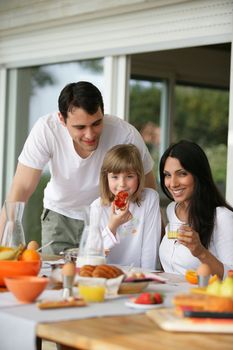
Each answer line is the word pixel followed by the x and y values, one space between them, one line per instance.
pixel 142 306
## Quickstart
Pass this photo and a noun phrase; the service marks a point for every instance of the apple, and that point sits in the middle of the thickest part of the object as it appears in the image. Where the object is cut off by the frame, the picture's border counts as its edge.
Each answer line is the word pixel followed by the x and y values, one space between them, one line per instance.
pixel 214 288
pixel 227 287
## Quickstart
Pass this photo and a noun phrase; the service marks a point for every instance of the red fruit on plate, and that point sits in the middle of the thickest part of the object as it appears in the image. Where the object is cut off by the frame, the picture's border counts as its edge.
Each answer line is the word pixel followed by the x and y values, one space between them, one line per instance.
pixel 158 299
pixel 121 199
pixel 144 298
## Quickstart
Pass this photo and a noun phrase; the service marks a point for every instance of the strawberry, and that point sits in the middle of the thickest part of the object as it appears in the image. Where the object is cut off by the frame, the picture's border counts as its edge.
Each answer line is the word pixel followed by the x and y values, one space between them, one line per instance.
pixel 121 199
pixel 144 298
pixel 158 298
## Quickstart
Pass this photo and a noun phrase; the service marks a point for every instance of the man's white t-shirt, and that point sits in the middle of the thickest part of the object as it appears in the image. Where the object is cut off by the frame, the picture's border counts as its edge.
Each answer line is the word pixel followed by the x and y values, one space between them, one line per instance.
pixel 74 181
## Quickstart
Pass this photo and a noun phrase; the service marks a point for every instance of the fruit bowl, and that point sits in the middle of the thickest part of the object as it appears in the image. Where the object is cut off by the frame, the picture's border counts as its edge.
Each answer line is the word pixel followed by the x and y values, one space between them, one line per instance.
pixel 26 288
pixel 13 268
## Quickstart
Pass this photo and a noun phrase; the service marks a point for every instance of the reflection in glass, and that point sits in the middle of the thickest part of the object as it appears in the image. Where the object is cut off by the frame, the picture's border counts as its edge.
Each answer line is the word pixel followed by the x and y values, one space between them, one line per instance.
pixel 145 97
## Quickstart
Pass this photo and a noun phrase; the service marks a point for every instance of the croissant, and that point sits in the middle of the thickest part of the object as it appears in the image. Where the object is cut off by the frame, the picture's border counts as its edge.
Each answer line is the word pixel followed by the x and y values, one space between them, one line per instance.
pixel 104 271
pixel 86 270
pixel 107 271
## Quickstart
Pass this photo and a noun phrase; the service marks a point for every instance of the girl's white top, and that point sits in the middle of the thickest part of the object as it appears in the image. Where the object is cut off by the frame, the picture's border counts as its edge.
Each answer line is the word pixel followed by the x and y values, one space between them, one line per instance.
pixel 137 241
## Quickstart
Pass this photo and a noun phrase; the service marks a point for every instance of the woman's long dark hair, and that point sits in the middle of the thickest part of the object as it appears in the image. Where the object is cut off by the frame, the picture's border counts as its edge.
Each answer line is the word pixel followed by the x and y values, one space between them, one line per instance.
pixel 206 197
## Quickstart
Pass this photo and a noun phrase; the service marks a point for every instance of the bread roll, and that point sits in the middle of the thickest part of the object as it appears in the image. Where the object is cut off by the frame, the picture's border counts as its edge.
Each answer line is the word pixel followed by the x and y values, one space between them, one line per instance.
pixel 86 270
pixel 219 304
pixel 204 302
pixel 107 271
pixel 104 271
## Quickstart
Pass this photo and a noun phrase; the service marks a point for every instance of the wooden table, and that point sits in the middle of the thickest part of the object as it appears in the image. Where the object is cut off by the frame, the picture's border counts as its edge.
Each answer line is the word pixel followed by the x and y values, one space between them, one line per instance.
pixel 135 332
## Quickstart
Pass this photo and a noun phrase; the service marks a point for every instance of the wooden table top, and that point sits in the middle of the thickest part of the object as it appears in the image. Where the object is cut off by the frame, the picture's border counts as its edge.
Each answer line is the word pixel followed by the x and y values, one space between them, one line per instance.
pixel 136 332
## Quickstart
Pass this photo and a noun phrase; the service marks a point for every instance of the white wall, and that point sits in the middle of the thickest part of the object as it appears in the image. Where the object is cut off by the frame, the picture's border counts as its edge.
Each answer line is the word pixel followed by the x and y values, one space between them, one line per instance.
pixel 56 30
pixel 36 32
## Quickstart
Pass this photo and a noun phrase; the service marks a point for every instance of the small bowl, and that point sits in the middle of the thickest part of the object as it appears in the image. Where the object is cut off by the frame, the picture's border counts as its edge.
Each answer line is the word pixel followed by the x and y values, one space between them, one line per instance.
pixel 13 268
pixel 26 288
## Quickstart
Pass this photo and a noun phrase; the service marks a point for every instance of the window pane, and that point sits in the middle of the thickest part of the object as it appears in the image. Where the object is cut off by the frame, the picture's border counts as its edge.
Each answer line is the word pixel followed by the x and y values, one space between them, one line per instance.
pixel 46 83
pixel 145 97
pixel 201 115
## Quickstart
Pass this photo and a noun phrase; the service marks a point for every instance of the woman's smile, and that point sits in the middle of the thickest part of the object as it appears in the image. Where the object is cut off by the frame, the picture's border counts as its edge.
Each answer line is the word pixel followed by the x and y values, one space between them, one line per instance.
pixel 179 182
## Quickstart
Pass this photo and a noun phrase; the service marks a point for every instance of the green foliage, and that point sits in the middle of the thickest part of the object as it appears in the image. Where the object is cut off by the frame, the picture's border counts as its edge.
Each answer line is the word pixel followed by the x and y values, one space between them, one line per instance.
pixel 144 103
pixel 94 66
pixel 201 115
pixel 40 78
pixel 217 156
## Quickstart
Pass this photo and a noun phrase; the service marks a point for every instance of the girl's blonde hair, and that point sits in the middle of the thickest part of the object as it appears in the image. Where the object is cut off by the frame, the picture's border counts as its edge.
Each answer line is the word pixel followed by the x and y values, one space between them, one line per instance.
pixel 121 158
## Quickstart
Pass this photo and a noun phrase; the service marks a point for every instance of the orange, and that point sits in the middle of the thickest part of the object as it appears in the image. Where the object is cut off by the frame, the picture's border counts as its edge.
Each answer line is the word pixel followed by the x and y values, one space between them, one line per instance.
pixel 191 276
pixel 30 255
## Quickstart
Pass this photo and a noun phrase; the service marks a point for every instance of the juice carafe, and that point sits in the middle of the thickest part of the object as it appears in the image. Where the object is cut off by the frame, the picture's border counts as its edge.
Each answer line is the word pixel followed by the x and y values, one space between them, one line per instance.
pixel 13 234
pixel 91 249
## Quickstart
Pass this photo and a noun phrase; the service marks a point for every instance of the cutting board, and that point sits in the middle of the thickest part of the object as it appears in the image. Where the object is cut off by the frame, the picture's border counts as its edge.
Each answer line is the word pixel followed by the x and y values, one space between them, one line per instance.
pixel 169 321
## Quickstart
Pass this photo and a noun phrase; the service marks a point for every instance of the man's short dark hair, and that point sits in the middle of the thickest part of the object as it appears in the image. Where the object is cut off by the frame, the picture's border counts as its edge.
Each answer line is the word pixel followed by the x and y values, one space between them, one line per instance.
pixel 82 94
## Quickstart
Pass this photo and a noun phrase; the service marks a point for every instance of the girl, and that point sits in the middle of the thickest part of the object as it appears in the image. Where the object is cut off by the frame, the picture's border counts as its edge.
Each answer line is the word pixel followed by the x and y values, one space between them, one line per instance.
pixel 186 178
pixel 132 234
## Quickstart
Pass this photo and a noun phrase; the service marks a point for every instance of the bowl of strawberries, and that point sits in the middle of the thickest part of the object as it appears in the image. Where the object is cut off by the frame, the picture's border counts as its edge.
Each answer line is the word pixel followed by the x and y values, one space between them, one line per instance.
pixel 146 300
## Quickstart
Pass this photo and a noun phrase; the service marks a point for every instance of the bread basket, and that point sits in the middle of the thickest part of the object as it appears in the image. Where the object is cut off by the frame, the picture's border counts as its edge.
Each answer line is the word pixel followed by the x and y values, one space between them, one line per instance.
pixel 132 287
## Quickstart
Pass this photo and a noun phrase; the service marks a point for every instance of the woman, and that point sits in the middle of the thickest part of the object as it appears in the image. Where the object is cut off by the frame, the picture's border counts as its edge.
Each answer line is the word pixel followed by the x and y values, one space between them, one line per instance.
pixel 207 236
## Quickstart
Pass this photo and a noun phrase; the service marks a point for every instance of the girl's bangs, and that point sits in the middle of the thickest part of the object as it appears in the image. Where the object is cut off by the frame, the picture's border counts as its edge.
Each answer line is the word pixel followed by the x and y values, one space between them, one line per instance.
pixel 122 166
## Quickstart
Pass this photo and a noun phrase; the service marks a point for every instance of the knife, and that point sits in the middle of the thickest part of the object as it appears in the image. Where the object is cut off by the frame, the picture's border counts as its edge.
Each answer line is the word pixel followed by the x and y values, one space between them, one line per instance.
pixel 208 314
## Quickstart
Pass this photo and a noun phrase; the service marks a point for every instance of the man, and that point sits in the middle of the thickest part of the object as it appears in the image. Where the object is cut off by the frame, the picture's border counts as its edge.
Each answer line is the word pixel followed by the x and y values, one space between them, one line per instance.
pixel 73 142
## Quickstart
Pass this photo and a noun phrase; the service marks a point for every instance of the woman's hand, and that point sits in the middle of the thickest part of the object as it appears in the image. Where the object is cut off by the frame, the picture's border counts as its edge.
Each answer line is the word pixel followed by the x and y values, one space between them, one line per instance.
pixel 190 239
pixel 118 217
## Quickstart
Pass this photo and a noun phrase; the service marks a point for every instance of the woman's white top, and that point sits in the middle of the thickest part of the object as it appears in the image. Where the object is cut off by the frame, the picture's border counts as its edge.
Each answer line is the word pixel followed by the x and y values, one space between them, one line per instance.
pixel 176 258
pixel 137 241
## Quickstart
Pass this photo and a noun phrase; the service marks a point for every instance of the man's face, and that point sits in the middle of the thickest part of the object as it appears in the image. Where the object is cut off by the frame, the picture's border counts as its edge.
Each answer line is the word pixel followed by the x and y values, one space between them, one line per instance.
pixel 85 129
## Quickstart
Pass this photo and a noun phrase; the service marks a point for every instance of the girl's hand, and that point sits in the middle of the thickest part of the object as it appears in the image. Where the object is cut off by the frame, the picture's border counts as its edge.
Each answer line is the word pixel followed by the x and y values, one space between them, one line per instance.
pixel 118 217
pixel 190 239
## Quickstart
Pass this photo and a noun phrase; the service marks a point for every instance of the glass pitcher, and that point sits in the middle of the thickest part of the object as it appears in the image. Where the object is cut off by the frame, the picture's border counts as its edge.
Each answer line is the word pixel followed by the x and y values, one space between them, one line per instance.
pixel 91 248
pixel 13 234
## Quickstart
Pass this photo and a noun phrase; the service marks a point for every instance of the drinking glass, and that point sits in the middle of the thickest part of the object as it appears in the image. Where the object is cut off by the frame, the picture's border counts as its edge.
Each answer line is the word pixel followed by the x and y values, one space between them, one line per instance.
pixel 92 289
pixel 91 250
pixel 173 230
pixel 13 234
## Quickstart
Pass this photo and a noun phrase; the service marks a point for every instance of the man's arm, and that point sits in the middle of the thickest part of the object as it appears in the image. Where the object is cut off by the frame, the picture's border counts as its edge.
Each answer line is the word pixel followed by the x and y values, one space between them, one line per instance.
pixel 24 184
pixel 150 180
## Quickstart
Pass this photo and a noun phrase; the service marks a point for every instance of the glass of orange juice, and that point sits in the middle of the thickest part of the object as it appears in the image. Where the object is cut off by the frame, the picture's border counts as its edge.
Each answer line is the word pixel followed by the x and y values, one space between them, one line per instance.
pixel 173 230
pixel 92 289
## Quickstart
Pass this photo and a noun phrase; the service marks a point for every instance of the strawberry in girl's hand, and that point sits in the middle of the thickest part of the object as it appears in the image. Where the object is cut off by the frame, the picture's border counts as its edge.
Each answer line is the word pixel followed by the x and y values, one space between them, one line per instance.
pixel 121 199
pixel 144 298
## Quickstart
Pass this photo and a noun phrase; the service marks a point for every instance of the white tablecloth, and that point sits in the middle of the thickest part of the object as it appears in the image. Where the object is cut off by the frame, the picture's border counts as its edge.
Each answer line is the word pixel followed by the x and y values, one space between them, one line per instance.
pixel 18 321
